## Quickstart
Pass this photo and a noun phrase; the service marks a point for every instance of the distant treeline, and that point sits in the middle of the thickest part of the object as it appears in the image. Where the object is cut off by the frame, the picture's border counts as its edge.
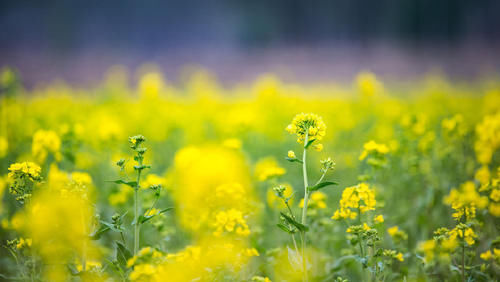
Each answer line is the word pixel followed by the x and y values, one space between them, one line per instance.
pixel 143 24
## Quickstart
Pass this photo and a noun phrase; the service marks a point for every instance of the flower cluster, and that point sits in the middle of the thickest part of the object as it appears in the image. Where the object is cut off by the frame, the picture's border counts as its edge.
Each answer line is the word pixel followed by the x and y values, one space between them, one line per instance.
pixel 310 125
pixel 46 142
pixel 23 176
pixel 232 222
pixel 491 186
pixel 453 126
pixel 488 138
pixel 19 243
pixel 440 247
pixel 317 201
pixel 359 198
pixel 374 153
pixel 144 264
pixel 465 201
pixel 489 255
pixel 268 168
pixel 397 234
pixel 464 232
pixel 393 255
pixel 278 194
pixel 327 164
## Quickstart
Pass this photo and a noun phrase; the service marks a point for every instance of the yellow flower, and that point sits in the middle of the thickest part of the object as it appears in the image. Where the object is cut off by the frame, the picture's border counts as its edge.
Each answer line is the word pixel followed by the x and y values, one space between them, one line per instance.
pixel 399 257
pixel 291 154
pixel 23 177
pixel 121 196
pixel 23 243
pixel 150 85
pixel 495 195
pixel 486 255
pixel 461 231
pixel 317 201
pixel 494 209
pixel 29 169
pixel 427 247
pixel 368 84
pixel 488 138
pixel 45 142
pixel 318 147
pixel 231 221
pixel 92 264
pixel 251 252
pixel 372 147
pixel 232 143
pixel 483 175
pixel 308 124
pixel 392 230
pixel 277 203
pixel 81 178
pixel 465 201
pixel 356 198
pixel 268 168
pixel 151 212
pixel 152 179
pixel 379 218
pixel 4 146
pixel 260 279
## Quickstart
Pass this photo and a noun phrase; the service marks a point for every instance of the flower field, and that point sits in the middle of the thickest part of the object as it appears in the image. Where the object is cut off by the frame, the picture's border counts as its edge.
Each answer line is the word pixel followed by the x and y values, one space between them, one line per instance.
pixel 259 181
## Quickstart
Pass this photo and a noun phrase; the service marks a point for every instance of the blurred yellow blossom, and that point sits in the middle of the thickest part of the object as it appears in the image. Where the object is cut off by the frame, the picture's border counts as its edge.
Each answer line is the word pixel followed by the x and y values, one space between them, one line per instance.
pixel 268 168
pixel 46 142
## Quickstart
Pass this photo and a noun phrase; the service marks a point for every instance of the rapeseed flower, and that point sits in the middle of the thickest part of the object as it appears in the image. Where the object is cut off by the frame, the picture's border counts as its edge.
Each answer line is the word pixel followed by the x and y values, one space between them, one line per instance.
pixel 308 124
pixel 355 199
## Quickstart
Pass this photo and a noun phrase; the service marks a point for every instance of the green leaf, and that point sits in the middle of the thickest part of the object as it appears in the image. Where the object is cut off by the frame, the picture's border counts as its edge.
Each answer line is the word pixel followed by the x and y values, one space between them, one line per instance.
pixel 309 143
pixel 321 185
pixel 115 266
pixel 112 226
pixel 293 222
pixel 340 261
pixel 141 167
pixel 132 184
pixel 293 160
pixel 72 269
pixel 97 234
pixel 122 254
pixel 166 210
pixel 284 228
pixel 143 218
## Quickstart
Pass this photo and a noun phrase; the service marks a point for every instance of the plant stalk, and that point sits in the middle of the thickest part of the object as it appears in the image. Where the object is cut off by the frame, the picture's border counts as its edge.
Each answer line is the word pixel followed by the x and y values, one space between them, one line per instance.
pixel 137 211
pixel 306 202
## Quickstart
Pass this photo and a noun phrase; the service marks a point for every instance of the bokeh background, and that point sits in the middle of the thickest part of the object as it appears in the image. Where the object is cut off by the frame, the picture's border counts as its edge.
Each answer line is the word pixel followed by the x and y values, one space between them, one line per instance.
pixel 299 40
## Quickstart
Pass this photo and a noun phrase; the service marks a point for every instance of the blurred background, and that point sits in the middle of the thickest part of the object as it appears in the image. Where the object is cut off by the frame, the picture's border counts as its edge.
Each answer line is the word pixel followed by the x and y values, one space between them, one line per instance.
pixel 299 40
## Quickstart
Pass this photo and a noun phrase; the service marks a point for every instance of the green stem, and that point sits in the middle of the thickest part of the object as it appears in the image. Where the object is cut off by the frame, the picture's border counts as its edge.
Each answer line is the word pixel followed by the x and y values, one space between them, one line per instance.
pixel 321 178
pixel 361 247
pixel 137 211
pixel 123 237
pixel 306 201
pixel 33 266
pixel 463 248
pixel 84 247
pixel 463 261
pixel 293 235
pixel 152 206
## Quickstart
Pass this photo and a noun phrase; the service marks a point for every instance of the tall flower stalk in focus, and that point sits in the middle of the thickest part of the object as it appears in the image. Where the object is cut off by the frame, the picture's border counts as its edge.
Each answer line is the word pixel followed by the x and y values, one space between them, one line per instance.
pixel 309 129
pixel 135 144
